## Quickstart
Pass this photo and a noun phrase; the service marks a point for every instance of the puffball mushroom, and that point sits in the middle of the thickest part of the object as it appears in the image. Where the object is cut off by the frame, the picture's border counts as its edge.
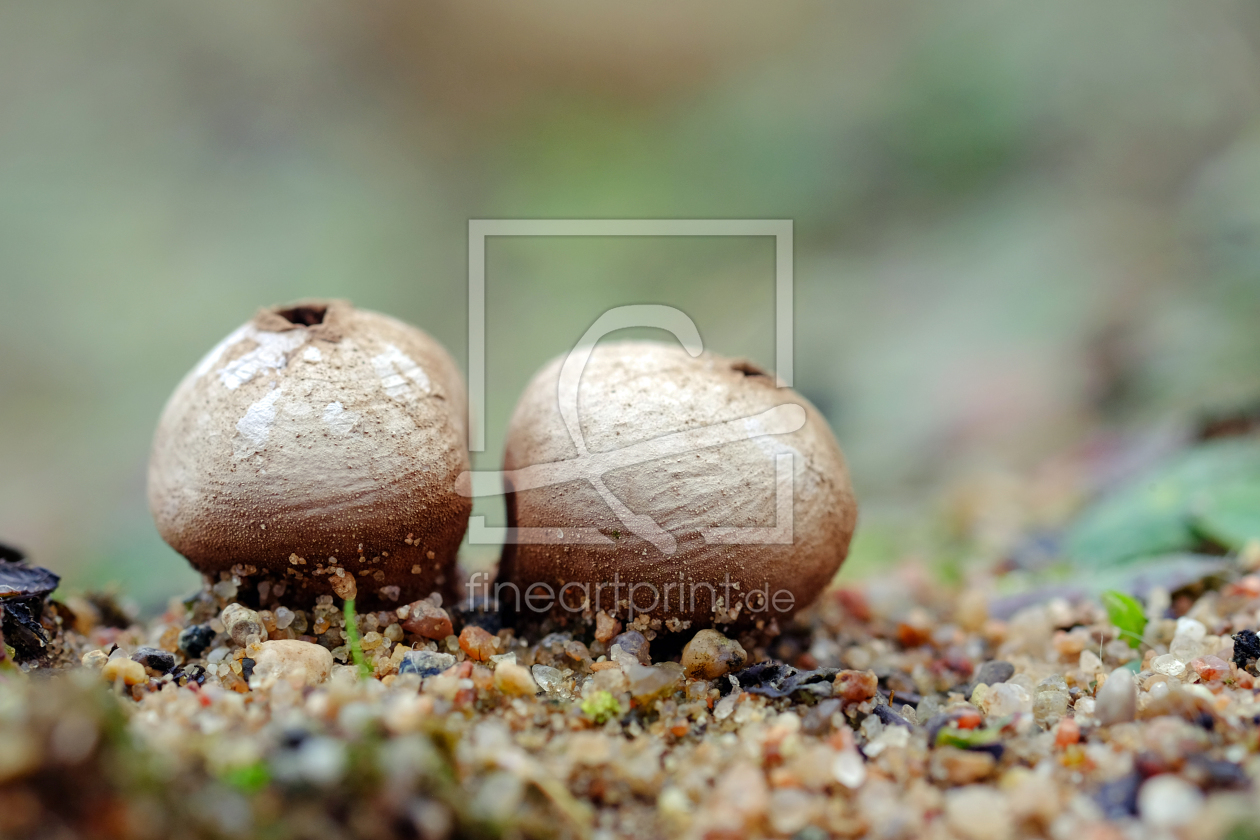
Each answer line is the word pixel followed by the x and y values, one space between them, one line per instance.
pixel 630 398
pixel 317 446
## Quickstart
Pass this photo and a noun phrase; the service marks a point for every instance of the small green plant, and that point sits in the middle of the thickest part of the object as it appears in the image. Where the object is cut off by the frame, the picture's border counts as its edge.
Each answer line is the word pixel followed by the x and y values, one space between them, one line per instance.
pixel 967 739
pixel 1125 613
pixel 601 707
pixel 352 639
pixel 250 778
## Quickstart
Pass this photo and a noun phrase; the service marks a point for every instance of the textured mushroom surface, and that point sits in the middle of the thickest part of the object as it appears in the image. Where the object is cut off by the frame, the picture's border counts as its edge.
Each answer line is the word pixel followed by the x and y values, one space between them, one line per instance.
pixel 317 441
pixel 635 395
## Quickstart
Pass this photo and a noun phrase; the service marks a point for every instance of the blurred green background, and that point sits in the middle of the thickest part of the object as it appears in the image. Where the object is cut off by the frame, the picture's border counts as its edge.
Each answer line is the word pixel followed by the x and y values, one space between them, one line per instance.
pixel 1016 225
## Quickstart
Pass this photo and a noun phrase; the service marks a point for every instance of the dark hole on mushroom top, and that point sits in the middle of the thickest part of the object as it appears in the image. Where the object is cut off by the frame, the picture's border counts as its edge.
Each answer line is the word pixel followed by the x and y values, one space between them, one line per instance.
pixel 747 368
pixel 307 316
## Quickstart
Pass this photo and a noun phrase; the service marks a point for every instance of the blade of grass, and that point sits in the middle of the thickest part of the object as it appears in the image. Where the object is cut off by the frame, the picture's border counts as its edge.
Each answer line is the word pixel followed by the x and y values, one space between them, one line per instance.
pixel 352 639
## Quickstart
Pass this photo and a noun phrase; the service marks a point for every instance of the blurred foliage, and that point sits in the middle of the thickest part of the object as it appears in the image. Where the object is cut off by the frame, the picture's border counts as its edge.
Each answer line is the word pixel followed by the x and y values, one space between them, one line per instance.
pixel 1017 227
pixel 1209 492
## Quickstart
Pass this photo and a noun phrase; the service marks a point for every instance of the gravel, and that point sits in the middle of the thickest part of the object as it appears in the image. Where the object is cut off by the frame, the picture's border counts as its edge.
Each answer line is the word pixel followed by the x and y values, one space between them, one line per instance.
pixel 929 717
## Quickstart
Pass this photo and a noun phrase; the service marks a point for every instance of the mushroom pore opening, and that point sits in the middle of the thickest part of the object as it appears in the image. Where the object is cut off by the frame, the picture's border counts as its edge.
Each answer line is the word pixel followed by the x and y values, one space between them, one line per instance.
pixel 306 316
pixel 747 368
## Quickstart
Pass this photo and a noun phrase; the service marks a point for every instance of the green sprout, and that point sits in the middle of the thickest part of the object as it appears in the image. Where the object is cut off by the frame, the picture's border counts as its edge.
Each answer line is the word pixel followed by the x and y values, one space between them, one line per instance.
pixel 601 707
pixel 352 639
pixel 250 778
pixel 966 739
pixel 1126 614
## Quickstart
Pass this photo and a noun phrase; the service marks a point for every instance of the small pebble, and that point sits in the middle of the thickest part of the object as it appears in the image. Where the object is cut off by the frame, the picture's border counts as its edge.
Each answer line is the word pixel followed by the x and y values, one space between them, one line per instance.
pixel 477 643
pixel 993 672
pixel 849 768
pixel 978 812
pixel 291 658
pixel 195 639
pixel 1090 663
pixel 1068 733
pixel 634 643
pixel 856 686
pixel 161 661
pixel 129 671
pixel 1006 699
pixel 1210 668
pixel 425 663
pixel 428 620
pixel 242 624
pixel 1116 701
pixel 550 680
pixel 961 767
pixel 95 659
pixel 710 655
pixel 1168 665
pixel 606 627
pixel 1246 648
pixel 1168 801
pixel 344 586
pixel 1049 707
pixel 649 682
pixel 284 617
pixel 514 680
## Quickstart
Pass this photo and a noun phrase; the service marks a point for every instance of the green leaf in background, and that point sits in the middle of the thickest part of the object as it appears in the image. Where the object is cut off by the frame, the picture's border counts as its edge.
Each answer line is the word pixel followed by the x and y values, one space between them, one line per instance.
pixel 1157 513
pixel 967 739
pixel 1230 515
pixel 1125 612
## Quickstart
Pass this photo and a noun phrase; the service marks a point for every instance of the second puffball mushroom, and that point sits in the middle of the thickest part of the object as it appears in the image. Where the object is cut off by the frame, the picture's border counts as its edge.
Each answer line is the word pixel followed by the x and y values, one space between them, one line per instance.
pixel 317 446
pixel 583 557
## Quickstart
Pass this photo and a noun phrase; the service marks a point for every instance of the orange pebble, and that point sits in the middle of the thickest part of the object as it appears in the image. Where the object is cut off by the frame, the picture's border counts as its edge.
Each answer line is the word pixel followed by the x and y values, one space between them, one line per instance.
pixel 1068 733
pixel 477 643
pixel 969 719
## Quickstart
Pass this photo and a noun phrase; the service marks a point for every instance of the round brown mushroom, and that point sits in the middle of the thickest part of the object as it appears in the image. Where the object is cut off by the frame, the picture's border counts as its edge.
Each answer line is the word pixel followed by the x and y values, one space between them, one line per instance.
pixel 659 532
pixel 317 446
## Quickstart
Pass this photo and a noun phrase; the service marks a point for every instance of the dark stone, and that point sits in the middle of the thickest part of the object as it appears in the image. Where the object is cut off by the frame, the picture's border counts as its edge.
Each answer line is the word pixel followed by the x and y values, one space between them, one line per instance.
pixel 891 718
pixel 247 668
pixel 1118 799
pixel 425 663
pixel 777 680
pixel 991 673
pixel 159 660
pixel 190 674
pixel 22 631
pixel 1212 773
pixel 481 612
pixel 1246 648
pixel 23 589
pixel 195 640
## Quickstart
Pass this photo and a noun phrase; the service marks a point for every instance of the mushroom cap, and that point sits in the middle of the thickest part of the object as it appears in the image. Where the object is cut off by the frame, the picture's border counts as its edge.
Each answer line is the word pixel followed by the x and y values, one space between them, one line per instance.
pixel 631 392
pixel 317 437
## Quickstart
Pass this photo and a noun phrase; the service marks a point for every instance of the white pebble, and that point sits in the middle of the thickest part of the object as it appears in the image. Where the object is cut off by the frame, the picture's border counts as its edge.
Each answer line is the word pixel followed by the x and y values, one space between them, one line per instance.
pixel 1190 629
pixel 977 812
pixel 291 658
pixel 1090 663
pixel 1168 801
pixel 1006 699
pixel 1168 665
pixel 849 769
pixel 1116 701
